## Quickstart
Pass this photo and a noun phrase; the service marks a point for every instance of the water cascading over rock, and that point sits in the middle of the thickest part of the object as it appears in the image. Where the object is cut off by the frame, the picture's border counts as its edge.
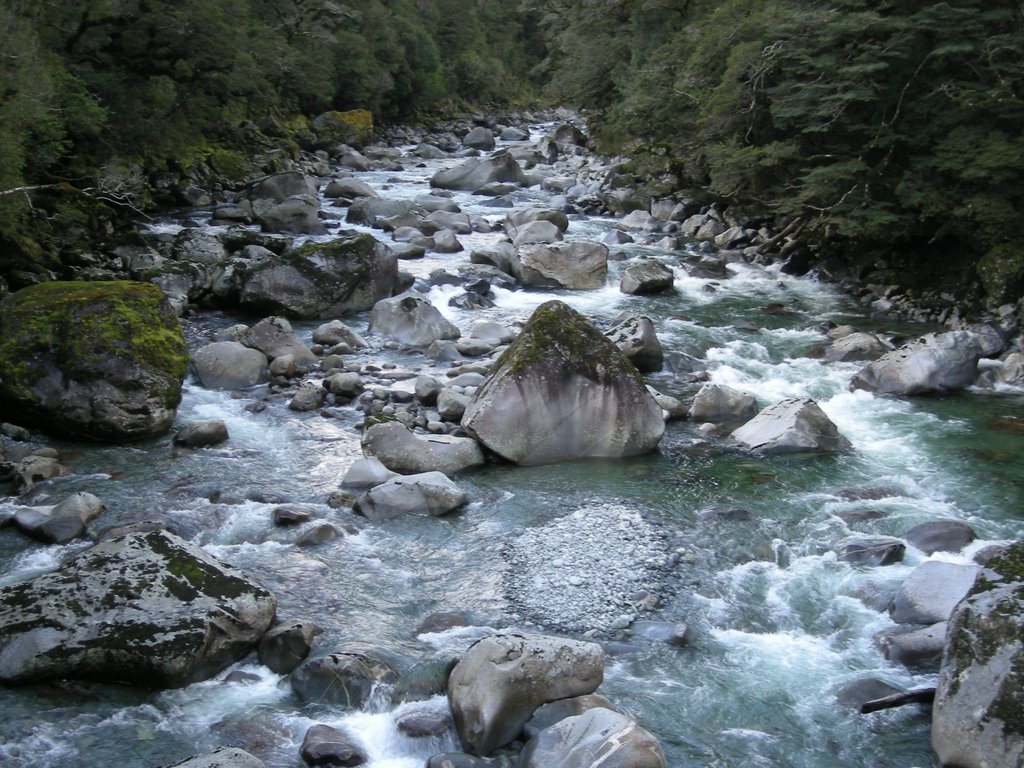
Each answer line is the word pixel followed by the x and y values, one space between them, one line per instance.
pixel 561 391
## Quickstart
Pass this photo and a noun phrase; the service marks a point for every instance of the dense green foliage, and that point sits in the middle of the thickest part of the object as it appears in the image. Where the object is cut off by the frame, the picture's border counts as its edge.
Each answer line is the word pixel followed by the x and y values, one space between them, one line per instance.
pixel 875 121
pixel 105 95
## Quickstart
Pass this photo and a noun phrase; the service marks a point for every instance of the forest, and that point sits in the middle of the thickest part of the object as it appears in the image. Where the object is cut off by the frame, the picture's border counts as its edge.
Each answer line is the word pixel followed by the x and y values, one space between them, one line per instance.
pixel 888 133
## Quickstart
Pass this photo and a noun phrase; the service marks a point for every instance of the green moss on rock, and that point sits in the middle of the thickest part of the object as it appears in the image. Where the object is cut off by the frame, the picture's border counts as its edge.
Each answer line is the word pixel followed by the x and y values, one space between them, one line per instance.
pixel 1001 272
pixel 60 336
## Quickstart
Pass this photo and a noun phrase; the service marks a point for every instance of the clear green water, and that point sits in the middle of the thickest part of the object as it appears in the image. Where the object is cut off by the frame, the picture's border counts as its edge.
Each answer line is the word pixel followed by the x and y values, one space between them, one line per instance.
pixel 779 625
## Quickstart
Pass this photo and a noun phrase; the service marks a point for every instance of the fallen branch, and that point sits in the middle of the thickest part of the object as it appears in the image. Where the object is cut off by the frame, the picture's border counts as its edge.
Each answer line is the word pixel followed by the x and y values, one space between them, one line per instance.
pixel 916 696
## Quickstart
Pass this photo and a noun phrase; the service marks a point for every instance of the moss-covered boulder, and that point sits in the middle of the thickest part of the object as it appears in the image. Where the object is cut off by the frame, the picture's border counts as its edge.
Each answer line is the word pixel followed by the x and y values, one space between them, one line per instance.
pixel 978 717
pixel 102 360
pixel 147 609
pixel 352 127
pixel 1001 272
pixel 321 280
pixel 563 390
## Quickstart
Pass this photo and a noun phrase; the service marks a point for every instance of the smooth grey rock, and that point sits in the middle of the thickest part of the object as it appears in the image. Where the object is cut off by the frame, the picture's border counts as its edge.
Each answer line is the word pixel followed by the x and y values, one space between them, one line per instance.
pixel 349 189
pixel 523 216
pixel 225 757
pixel 280 186
pixel 287 645
pixel 230 365
pixel 424 721
pixel 346 677
pixel 535 232
pixel 369 210
pixel 856 347
pixel 479 138
pixel 34 469
pixel 402 451
pixel 297 215
pixel 638 341
pixel 934 363
pixel 147 609
pixel 365 474
pixel 499 255
pixel 274 337
pixel 562 391
pixel 202 433
pixel 62 522
pixel 940 536
pixel 432 493
pixel 451 405
pixel 647 277
pixel 919 648
pixel 348 385
pixel 324 745
pixel 1011 373
pixel 577 265
pixel 474 174
pixel 931 591
pixel 502 679
pixel 411 320
pixel 318 280
pixel 796 425
pixel 198 246
pixel 598 737
pixel 547 715
pixel 976 718
pixel 718 404
pixel 335 332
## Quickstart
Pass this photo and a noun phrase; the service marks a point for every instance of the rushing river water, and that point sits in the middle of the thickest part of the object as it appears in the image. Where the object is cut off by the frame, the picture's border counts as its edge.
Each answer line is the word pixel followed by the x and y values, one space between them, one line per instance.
pixel 779 625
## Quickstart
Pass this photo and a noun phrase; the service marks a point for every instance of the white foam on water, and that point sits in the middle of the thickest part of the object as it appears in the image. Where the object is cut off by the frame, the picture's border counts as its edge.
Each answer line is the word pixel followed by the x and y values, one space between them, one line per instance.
pixel 33 562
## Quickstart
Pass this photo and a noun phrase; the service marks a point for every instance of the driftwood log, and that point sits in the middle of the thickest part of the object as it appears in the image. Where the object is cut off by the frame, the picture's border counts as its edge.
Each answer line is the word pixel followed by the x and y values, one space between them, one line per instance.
pixel 916 696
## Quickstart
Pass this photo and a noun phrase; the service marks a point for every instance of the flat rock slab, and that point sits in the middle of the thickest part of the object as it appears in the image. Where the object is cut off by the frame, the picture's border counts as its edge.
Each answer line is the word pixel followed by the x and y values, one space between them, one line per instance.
pixel 931 591
pixel 147 609
pixel 796 425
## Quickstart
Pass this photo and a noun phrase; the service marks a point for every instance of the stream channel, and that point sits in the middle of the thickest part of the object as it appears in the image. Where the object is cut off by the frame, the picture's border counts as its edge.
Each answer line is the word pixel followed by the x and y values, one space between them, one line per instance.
pixel 778 624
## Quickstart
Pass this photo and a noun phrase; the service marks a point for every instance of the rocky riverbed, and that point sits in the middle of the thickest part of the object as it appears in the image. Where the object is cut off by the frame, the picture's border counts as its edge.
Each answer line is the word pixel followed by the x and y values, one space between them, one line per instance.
pixel 458 386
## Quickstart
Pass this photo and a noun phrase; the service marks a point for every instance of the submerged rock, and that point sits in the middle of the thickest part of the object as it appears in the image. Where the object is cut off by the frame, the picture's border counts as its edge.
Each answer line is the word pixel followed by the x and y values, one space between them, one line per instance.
pixel 562 390
pixel 98 360
pixel 934 363
pixel 796 425
pixel 346 677
pixel 978 716
pixel 147 609
pixel 501 680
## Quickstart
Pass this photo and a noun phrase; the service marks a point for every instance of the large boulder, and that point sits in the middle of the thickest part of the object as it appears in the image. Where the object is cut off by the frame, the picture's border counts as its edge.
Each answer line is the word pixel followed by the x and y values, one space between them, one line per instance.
pixel 977 719
pixel 856 347
pixel 796 425
pixel 577 265
pixel 230 365
pixel 318 280
pixel 476 173
pixel 934 363
pixel 931 591
pixel 147 609
pixel 401 451
pixel 562 390
pixel 280 186
pixel 98 360
pixel 298 215
pixel 502 679
pixel 411 320
pixel 428 492
pixel 597 737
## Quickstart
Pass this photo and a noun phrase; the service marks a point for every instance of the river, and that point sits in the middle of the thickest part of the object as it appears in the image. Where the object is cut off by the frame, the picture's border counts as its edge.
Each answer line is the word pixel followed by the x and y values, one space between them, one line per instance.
pixel 778 623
